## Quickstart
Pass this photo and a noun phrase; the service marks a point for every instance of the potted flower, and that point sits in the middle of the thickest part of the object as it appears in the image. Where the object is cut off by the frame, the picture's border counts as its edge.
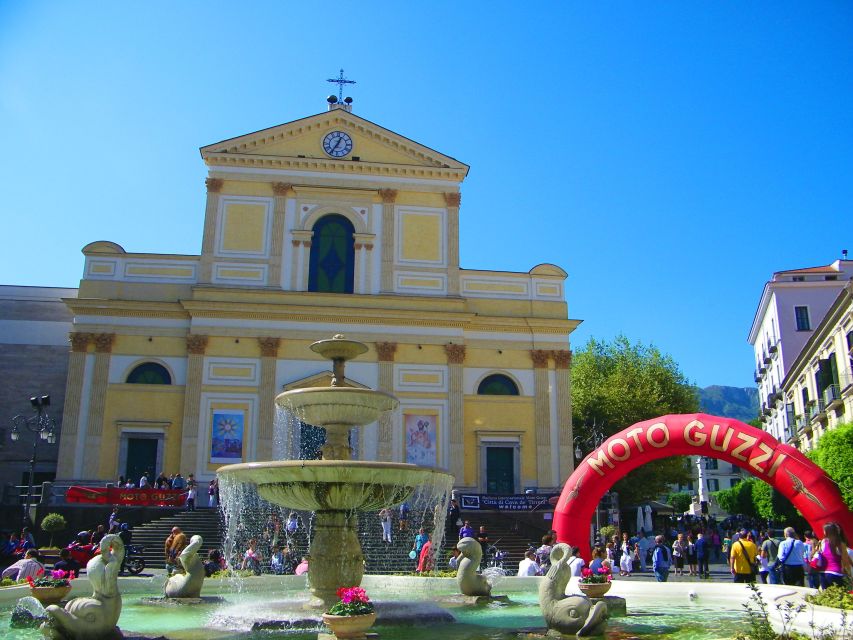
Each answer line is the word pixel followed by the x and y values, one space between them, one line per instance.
pixel 594 584
pixel 50 589
pixel 352 615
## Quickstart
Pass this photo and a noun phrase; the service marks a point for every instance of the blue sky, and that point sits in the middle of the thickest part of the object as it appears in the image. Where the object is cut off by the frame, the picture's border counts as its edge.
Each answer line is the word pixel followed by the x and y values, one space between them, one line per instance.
pixel 670 156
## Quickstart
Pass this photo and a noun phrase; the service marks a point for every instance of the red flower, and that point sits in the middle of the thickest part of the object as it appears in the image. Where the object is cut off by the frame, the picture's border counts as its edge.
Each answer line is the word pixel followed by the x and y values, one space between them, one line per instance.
pixel 30 581
pixel 586 572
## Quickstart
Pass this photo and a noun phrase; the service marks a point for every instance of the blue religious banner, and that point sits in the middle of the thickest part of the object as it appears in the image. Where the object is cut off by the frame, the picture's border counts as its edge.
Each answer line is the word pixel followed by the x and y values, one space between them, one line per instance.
pixel 226 441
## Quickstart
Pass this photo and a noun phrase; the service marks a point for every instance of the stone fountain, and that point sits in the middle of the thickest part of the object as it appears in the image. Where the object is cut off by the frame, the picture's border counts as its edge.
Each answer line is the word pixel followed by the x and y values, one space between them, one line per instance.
pixel 336 487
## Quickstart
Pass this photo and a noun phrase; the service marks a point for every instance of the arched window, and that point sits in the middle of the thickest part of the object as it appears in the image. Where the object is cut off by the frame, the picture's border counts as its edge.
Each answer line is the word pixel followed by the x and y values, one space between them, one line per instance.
pixel 497 385
pixel 332 262
pixel 149 373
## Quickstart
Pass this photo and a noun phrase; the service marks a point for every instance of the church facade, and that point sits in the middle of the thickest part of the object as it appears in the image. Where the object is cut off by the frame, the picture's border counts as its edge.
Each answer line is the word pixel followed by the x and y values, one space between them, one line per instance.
pixel 328 224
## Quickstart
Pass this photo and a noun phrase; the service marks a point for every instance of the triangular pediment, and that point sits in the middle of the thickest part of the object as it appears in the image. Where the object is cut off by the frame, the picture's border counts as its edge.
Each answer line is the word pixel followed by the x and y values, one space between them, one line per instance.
pixel 302 140
pixel 320 380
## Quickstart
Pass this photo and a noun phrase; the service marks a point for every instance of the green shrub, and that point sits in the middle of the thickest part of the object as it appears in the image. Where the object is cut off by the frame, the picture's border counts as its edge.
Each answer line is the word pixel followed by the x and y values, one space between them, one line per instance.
pixel 53 523
pixel 834 596
pixel 607 531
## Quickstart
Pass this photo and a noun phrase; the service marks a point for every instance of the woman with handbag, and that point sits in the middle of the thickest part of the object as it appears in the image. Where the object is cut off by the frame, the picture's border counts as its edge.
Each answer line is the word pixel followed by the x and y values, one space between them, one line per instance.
pixel 831 558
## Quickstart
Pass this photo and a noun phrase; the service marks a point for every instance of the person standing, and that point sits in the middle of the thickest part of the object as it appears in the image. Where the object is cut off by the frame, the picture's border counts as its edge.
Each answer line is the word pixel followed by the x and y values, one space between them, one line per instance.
pixel 643 545
pixel 661 560
pixel 742 559
pixel 812 575
pixel 703 553
pixel 404 516
pixel 679 551
pixel 420 540
pixel 691 555
pixel 769 555
pixel 792 558
pixel 385 519
pixel 483 539
pixel 835 561
pixel 191 494
pixel 626 560
pixel 425 558
pixel 143 481
pixel 211 493
pixel 467 531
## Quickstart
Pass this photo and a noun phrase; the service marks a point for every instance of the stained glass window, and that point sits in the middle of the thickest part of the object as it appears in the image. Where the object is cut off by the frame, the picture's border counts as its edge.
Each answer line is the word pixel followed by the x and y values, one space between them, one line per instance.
pixel 149 373
pixel 332 261
pixel 497 385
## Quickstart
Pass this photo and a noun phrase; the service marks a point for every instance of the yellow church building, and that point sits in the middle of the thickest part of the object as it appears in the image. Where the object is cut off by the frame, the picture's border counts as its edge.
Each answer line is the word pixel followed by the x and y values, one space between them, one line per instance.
pixel 328 224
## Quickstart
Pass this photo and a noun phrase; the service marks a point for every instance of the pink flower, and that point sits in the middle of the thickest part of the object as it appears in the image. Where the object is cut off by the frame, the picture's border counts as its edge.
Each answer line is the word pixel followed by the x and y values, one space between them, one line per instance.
pixel 586 572
pixel 602 570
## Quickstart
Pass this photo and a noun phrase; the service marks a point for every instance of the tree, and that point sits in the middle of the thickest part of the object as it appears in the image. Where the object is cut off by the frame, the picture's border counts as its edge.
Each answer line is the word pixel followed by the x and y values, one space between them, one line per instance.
pixel 614 385
pixel 757 499
pixel 834 454
pixel 679 500
pixel 53 523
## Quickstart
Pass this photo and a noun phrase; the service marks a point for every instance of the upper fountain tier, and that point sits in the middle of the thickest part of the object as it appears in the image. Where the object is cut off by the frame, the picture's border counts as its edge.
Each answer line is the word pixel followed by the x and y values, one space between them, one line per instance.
pixel 338 408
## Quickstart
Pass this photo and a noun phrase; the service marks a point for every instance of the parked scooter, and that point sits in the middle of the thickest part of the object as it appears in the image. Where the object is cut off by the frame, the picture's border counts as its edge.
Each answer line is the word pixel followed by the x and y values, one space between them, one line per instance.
pixel 134 562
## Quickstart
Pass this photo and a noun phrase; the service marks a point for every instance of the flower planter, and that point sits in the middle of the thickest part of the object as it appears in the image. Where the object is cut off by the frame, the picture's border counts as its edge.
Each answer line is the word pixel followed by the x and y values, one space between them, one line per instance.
pixel 50 595
pixel 351 627
pixel 594 590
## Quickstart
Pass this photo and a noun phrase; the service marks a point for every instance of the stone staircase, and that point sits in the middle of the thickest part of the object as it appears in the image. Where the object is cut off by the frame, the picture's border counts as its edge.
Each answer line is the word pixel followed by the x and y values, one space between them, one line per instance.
pixel 152 535
pixel 505 534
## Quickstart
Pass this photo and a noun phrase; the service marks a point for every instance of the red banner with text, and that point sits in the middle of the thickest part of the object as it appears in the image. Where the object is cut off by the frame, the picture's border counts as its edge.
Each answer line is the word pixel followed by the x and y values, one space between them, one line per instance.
pixel 127 497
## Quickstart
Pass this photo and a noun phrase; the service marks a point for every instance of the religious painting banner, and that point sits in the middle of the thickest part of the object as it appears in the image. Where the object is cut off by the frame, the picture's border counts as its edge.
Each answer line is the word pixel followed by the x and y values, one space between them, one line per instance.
pixel 421 439
pixel 128 497
pixel 226 435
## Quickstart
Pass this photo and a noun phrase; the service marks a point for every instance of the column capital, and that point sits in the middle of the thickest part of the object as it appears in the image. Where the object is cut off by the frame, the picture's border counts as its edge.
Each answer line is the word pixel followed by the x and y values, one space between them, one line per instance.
pixel 453 199
pixel 389 196
pixel 104 342
pixel 269 347
pixel 196 344
pixel 562 358
pixel 385 351
pixel 281 188
pixel 455 353
pixel 79 341
pixel 214 185
pixel 540 358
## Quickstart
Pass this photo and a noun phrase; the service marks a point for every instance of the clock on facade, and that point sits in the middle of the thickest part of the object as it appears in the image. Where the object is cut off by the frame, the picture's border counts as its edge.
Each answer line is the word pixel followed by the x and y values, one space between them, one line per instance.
pixel 337 144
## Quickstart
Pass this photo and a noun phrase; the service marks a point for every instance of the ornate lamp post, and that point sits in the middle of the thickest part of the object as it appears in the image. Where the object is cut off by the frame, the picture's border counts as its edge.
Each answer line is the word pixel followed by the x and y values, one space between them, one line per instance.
pixel 41 425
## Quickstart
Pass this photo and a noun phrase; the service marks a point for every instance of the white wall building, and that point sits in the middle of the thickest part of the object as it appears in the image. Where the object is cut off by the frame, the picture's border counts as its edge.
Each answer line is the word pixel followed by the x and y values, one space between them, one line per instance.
pixel 792 305
pixel 818 390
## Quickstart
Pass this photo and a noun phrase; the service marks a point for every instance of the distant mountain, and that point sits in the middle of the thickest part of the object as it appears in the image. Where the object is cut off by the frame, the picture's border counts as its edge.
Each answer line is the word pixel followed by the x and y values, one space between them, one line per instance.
pixel 740 403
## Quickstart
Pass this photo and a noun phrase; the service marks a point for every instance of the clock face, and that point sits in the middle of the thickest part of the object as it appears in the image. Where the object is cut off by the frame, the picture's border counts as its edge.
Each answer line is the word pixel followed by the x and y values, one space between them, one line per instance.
pixel 337 144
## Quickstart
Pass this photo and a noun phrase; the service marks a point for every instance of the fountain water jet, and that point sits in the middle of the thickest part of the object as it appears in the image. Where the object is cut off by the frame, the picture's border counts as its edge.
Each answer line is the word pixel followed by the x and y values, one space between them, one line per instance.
pixel 336 487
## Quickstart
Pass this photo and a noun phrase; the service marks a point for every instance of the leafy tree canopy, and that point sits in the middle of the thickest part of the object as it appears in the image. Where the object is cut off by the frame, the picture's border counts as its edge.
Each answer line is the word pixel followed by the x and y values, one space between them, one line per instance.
pixel 680 500
pixel 614 385
pixel 834 453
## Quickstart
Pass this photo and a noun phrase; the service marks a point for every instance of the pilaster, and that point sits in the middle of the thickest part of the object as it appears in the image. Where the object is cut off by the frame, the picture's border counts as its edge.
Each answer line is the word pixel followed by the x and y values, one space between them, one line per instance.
pixel 196 347
pixel 563 374
pixel 385 352
pixel 389 197
pixel 266 397
pixel 542 417
pixel 455 362
pixel 73 400
pixel 208 242
pixel 97 403
pixel 453 200
pixel 280 191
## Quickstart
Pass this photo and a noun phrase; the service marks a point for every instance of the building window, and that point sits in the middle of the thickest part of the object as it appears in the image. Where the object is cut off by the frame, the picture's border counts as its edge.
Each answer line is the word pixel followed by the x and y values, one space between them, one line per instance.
pixel 733 482
pixel 798 278
pixel 830 277
pixel 711 464
pixel 713 484
pixel 149 373
pixel 332 261
pixel 497 385
pixel 802 317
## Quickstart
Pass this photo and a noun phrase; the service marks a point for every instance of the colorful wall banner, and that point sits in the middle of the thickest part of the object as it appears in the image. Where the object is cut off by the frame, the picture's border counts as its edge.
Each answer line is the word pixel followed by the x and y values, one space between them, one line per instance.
pixel 420 439
pixel 226 436
pixel 780 465
pixel 527 502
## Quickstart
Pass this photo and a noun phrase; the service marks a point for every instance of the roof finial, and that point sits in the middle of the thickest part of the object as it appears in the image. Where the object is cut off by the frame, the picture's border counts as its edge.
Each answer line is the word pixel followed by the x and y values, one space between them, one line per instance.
pixel 341 81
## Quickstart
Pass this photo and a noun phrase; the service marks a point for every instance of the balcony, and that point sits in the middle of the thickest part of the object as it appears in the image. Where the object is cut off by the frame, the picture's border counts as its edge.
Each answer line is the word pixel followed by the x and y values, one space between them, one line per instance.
pixel 757 376
pixel 773 348
pixel 767 358
pixel 816 412
pixel 762 370
pixel 832 397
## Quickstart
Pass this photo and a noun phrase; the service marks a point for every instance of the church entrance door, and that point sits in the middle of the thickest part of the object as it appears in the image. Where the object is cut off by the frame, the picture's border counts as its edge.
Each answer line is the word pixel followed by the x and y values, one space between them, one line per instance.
pixel 141 457
pixel 500 465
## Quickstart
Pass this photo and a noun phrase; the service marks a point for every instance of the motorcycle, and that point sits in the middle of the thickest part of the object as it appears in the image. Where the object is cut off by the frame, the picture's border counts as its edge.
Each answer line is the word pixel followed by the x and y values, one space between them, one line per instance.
pixel 134 562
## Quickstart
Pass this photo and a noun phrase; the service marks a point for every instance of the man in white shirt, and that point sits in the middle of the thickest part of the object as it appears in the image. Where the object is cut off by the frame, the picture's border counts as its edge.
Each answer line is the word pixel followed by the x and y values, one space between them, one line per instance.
pixel 576 564
pixel 29 566
pixel 529 566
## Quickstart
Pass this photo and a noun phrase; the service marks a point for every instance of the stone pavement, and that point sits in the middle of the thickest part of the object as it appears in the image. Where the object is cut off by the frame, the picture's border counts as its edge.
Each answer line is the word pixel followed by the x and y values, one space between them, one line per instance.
pixel 719 573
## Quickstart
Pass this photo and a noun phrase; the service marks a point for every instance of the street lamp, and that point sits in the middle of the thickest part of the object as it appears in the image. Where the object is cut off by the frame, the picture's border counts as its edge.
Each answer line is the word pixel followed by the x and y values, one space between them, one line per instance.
pixel 591 441
pixel 42 425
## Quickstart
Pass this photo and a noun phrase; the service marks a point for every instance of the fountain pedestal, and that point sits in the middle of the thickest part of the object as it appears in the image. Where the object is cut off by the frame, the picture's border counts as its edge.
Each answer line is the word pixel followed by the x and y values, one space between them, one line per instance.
pixel 335 544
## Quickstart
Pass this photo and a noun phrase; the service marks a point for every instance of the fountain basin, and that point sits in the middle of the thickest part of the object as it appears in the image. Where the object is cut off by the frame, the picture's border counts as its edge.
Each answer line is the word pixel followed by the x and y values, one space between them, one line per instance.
pixel 335 485
pixel 348 406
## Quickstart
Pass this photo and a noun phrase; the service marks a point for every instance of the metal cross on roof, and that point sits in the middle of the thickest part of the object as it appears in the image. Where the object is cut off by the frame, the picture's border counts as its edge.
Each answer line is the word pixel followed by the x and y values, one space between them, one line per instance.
pixel 341 81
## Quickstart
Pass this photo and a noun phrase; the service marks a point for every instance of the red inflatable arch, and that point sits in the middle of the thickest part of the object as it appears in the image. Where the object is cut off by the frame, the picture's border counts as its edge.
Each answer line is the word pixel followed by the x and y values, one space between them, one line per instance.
pixel 804 483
